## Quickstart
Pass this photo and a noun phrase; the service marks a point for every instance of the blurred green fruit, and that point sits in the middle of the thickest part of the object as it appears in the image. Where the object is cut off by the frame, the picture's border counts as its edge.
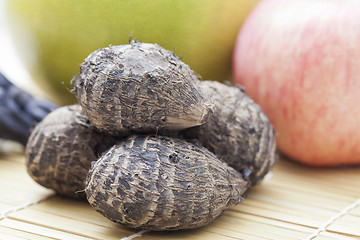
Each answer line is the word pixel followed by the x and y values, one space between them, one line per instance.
pixel 53 37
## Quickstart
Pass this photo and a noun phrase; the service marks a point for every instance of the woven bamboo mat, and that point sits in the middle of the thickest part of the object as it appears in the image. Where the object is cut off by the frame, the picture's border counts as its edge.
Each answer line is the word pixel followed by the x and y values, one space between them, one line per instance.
pixel 296 202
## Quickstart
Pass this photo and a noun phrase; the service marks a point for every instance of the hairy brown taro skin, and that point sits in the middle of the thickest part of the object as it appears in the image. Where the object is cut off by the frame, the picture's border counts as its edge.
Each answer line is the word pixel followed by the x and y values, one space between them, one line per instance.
pixel 238 132
pixel 139 87
pixel 162 183
pixel 61 148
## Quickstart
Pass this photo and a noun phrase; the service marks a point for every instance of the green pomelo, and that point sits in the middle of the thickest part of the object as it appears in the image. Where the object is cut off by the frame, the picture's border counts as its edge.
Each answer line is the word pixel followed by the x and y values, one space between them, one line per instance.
pixel 53 37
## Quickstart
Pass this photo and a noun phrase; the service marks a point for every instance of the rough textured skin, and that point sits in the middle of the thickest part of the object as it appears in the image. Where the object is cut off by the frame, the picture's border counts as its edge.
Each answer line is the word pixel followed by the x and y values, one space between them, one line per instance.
pixel 238 132
pixel 162 183
pixel 61 148
pixel 139 87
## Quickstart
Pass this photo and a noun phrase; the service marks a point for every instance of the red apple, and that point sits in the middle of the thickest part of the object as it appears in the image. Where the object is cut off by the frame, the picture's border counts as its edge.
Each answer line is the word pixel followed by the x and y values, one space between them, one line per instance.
pixel 300 60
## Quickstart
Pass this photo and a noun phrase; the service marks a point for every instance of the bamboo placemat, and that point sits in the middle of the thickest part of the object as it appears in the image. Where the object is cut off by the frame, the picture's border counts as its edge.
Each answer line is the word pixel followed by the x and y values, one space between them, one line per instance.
pixel 295 202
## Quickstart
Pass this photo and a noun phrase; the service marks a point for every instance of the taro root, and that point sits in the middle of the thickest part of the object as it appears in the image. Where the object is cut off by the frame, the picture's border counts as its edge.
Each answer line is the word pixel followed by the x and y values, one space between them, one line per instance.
pixel 61 148
pixel 139 87
pixel 162 183
pixel 238 132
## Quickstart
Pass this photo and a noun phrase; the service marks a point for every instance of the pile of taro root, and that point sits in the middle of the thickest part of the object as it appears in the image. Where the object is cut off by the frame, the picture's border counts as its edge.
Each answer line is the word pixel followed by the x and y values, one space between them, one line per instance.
pixel 149 145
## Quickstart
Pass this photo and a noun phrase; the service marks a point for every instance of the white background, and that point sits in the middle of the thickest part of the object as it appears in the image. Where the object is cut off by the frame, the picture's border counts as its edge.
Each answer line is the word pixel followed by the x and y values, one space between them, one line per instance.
pixel 10 64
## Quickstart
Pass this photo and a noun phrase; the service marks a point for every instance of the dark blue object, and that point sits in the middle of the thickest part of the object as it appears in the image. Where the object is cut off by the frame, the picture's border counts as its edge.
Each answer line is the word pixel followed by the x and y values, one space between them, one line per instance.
pixel 19 111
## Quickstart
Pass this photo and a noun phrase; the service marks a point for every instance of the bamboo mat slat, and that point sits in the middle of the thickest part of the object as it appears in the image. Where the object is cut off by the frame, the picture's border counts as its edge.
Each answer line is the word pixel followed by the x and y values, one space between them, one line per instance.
pixel 22 227
pixel 292 204
pixel 14 234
